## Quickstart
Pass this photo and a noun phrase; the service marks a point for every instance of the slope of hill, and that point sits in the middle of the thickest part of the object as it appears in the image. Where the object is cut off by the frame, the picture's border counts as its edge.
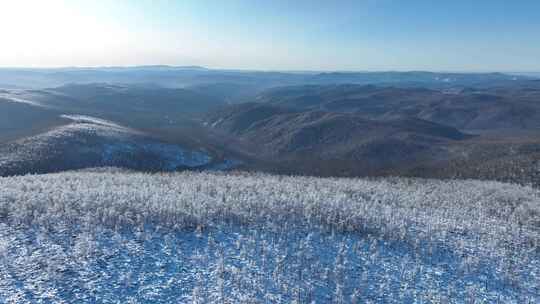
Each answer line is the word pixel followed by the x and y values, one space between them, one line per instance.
pixel 277 133
pixel 19 119
pixel 510 157
pixel 228 92
pixel 496 108
pixel 140 101
pixel 89 142
pixel 136 106
pixel 241 238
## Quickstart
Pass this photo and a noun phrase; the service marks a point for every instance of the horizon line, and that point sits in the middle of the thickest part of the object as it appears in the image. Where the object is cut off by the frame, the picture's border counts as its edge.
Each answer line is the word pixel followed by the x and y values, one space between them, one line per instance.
pixel 199 67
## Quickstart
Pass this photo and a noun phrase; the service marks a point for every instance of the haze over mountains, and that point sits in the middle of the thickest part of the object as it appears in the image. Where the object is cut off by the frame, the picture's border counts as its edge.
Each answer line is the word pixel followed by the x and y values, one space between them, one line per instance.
pixel 339 123
pixel 171 76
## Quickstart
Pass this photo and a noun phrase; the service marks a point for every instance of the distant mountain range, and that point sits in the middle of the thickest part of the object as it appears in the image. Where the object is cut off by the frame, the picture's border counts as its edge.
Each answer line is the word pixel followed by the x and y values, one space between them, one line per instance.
pixel 171 76
pixel 330 124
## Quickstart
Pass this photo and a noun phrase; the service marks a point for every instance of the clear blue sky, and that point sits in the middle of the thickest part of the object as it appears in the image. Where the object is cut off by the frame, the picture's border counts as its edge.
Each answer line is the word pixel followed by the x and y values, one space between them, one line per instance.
pixel 459 35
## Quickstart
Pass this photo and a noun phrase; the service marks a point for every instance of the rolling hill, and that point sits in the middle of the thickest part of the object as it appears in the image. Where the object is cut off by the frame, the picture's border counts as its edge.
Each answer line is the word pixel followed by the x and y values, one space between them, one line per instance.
pixel 84 141
pixel 135 105
pixel 280 134
pixel 465 109
pixel 19 119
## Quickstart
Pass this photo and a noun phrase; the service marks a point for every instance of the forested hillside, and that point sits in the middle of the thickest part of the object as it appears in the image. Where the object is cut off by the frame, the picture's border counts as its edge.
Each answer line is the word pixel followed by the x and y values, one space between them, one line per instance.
pixel 116 236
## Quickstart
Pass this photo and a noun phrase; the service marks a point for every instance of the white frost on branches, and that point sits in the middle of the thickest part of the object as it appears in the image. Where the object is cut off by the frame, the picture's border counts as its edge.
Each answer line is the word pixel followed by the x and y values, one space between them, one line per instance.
pixel 250 238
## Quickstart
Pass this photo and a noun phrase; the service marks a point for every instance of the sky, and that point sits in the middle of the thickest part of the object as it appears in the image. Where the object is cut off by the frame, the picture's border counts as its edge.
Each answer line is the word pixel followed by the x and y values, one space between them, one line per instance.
pixel 435 35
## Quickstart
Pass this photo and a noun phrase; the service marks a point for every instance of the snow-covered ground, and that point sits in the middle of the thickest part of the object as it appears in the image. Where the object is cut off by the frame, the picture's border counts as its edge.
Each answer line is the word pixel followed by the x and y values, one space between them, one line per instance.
pixel 96 121
pixel 13 96
pixel 121 237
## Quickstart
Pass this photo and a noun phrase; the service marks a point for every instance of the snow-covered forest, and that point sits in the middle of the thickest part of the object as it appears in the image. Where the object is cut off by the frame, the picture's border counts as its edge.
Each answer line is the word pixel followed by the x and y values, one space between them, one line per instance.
pixel 121 237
